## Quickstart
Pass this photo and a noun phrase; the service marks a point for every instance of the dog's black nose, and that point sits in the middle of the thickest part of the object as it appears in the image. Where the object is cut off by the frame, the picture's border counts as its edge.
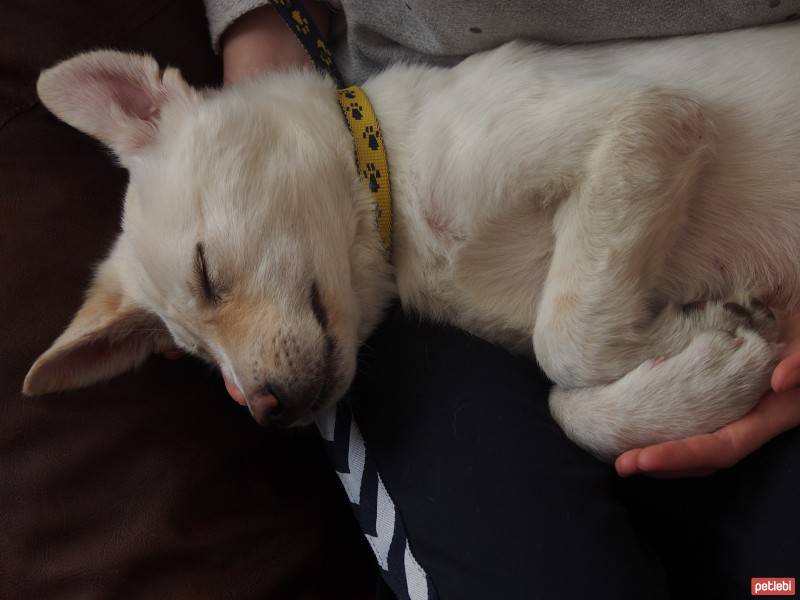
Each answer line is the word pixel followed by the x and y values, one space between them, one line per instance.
pixel 265 405
pixel 277 405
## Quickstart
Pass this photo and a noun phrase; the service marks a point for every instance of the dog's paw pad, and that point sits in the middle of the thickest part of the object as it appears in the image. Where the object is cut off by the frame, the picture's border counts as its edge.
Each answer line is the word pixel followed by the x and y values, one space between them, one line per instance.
pixel 754 315
pixel 730 315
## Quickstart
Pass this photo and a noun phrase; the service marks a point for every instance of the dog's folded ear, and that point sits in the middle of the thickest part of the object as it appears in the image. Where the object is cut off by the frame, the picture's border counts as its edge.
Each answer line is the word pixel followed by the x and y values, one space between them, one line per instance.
pixel 108 336
pixel 113 96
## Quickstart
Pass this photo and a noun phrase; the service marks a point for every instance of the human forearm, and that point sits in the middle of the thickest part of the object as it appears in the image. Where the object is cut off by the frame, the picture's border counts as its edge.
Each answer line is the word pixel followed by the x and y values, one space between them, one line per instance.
pixel 260 41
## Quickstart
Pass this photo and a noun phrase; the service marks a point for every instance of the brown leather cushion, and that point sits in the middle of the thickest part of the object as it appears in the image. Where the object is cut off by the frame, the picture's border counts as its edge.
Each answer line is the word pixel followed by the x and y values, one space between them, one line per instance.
pixel 154 485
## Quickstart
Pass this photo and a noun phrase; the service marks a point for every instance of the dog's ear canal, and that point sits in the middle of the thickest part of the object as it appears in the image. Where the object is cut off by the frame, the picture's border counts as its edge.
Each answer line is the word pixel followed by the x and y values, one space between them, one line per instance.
pixel 112 96
pixel 107 337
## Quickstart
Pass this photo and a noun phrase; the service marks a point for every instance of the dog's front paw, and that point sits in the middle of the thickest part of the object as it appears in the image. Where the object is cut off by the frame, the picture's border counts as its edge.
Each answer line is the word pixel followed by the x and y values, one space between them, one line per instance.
pixel 725 374
pixel 715 380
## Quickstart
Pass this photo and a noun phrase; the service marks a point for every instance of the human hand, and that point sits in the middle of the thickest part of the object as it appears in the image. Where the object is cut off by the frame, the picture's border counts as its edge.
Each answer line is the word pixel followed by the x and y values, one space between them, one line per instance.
pixel 778 411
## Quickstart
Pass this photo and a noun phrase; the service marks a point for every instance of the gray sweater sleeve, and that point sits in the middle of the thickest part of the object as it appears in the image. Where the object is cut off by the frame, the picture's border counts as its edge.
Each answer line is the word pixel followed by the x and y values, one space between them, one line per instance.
pixel 368 35
pixel 221 13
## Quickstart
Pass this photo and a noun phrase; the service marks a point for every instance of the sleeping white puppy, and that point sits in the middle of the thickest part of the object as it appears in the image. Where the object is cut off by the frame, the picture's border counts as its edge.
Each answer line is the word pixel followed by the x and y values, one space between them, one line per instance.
pixel 628 212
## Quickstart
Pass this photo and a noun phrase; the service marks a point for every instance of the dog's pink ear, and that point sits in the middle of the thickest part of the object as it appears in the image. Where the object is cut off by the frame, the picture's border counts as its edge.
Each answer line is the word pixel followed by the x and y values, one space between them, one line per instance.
pixel 107 337
pixel 113 96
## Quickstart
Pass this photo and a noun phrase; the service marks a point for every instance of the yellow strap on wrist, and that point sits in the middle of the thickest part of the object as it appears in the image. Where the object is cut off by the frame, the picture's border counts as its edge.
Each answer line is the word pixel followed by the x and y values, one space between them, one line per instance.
pixel 373 167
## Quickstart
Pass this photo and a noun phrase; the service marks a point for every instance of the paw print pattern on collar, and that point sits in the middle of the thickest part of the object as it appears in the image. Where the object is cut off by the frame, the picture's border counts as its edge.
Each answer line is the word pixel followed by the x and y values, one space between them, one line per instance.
pixel 371 160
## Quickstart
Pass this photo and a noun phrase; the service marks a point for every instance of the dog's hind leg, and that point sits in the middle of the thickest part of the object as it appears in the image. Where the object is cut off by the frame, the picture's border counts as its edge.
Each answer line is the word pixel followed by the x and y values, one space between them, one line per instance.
pixel 715 380
pixel 612 237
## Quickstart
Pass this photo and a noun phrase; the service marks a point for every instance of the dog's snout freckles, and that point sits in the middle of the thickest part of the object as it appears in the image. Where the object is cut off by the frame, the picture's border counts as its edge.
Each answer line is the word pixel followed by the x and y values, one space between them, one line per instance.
pixel 282 362
pixel 284 385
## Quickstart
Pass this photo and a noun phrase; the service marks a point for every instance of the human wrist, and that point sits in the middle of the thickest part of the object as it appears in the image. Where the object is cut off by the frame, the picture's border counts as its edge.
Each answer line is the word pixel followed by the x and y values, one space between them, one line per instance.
pixel 260 41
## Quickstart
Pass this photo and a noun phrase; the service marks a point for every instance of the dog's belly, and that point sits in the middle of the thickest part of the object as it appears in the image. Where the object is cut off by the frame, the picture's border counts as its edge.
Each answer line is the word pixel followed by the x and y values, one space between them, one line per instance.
pixel 488 279
pixel 516 124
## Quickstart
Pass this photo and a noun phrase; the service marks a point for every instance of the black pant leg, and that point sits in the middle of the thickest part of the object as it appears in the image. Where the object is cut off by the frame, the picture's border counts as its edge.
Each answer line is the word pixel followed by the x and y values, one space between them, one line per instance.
pixel 715 533
pixel 497 502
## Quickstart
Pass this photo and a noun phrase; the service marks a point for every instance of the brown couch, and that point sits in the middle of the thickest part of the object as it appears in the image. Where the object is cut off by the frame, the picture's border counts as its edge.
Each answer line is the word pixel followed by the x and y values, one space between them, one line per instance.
pixel 155 485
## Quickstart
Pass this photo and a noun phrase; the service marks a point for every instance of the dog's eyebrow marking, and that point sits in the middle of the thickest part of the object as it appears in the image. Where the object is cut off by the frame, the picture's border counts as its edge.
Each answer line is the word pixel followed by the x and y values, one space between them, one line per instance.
pixel 206 283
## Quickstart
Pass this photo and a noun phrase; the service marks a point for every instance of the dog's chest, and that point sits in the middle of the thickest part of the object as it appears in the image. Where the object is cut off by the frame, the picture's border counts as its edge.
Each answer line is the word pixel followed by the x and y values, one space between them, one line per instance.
pixel 472 256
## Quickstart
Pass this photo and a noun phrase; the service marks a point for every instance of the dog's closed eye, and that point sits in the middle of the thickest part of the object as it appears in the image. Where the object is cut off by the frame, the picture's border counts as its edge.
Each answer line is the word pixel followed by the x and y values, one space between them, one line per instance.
pixel 318 307
pixel 207 284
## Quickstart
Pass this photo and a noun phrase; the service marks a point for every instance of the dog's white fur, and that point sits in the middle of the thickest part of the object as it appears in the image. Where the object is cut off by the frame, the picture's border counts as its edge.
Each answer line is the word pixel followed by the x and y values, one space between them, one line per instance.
pixel 567 200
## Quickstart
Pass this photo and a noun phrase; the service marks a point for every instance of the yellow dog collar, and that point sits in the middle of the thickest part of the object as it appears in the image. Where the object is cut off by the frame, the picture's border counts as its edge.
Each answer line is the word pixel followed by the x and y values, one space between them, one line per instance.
pixel 371 161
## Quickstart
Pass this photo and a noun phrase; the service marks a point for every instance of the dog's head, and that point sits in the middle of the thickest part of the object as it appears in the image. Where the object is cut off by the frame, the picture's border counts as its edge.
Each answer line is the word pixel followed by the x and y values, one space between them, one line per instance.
pixel 246 239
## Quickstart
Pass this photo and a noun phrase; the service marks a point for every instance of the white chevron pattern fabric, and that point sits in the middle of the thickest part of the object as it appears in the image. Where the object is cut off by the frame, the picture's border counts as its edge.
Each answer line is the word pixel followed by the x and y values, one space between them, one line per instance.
pixel 373 506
